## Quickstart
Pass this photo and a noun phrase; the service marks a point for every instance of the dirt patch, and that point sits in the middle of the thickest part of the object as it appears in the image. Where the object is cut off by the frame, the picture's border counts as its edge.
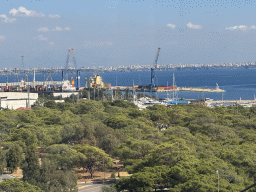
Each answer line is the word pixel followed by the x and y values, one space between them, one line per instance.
pixel 86 176
pixel 18 173
pixel 98 175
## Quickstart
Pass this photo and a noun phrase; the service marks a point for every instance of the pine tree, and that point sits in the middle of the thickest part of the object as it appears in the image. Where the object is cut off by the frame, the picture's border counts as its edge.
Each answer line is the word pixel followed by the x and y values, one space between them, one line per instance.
pixel 14 157
pixel 2 161
pixel 30 166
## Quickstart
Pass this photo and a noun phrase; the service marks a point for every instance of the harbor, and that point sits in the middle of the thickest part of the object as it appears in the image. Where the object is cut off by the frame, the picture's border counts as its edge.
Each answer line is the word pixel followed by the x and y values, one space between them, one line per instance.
pixel 161 89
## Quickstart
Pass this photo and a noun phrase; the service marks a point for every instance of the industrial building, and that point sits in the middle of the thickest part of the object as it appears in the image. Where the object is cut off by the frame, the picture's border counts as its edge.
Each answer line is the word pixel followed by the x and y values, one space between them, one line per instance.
pixel 15 100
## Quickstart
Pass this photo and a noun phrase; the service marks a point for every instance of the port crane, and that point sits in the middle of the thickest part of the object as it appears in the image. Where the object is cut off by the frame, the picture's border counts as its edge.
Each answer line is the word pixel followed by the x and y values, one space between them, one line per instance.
pixel 153 69
pixel 53 83
pixel 70 52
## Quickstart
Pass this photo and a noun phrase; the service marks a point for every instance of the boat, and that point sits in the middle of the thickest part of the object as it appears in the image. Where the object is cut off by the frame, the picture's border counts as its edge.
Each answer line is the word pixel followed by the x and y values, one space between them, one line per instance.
pixel 67 86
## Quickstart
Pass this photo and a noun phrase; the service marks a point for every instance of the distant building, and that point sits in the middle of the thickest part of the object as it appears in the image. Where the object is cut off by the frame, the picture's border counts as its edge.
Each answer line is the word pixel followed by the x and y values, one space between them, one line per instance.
pixel 15 100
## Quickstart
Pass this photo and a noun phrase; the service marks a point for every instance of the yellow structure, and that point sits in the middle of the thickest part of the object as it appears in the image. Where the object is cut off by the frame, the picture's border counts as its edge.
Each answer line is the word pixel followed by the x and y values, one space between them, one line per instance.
pixel 96 81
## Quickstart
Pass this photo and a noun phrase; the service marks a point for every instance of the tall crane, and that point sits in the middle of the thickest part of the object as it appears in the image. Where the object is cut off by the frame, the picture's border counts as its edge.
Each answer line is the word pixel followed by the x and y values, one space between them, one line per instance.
pixel 157 55
pixel 53 83
pixel 70 51
pixel 153 69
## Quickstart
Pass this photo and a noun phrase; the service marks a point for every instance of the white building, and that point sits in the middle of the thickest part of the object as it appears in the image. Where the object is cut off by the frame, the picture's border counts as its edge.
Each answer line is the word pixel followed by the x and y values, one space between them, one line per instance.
pixel 15 100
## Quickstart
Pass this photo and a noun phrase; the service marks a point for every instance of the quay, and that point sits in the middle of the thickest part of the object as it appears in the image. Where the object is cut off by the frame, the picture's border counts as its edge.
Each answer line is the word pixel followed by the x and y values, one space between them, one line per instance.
pixel 194 89
pixel 197 89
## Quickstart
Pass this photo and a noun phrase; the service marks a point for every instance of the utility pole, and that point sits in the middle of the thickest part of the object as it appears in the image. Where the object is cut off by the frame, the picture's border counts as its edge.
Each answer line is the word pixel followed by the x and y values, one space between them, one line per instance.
pixel 103 171
pixel 167 95
pixel 98 94
pixel 133 92
pixel 22 64
pixel 94 93
pixel 173 79
pixel 28 98
pixel 217 172
pixel 89 94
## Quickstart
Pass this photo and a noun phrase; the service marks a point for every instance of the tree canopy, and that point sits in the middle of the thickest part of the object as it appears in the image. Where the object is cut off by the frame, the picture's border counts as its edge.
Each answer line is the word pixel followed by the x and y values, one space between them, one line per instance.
pixel 178 147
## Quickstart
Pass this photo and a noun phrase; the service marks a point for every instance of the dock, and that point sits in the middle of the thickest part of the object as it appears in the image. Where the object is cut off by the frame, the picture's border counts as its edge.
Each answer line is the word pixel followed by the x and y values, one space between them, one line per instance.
pixel 197 89
pixel 194 89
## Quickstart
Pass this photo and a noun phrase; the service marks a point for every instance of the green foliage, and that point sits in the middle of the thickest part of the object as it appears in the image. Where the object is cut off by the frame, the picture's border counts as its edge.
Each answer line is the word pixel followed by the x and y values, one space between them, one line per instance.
pixel 50 104
pixel 108 189
pixel 51 179
pixel 198 141
pixel 8 119
pixel 117 121
pixel 145 180
pixel 30 166
pixel 85 107
pixel 95 158
pixel 63 155
pixel 2 161
pixel 14 157
pixel 113 175
pixel 15 185
pixel 133 149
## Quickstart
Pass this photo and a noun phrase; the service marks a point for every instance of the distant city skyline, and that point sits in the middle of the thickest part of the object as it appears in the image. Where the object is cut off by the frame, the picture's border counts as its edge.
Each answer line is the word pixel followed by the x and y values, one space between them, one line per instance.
pixel 123 33
pixel 158 67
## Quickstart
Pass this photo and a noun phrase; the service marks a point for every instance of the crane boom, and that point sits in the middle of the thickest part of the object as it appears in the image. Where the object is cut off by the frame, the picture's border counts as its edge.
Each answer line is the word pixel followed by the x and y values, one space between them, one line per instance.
pixel 52 81
pixel 157 55
pixel 153 69
pixel 70 51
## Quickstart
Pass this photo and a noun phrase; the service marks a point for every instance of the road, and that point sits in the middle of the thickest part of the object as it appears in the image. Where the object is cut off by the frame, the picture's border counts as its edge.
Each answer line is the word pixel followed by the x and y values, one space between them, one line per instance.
pixel 93 186
pixel 6 176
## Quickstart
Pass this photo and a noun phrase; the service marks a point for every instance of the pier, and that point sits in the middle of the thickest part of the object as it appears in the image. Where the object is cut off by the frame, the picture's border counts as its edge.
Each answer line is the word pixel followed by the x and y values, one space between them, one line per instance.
pixel 197 89
pixel 194 89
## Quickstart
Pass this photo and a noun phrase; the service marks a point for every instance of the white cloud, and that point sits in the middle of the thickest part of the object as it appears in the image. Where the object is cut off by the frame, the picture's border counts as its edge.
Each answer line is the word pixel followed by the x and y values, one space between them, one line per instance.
pixel 41 38
pixel 54 16
pixel 240 27
pixel 51 43
pixel 99 44
pixel 171 25
pixel 57 29
pixel 193 26
pixel 2 37
pixel 46 29
pixel 5 19
pixel 253 27
pixel 22 11
pixel 43 29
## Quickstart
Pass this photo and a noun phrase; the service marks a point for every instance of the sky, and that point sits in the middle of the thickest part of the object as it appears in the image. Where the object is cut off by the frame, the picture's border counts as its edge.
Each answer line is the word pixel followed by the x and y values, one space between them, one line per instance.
pixel 124 32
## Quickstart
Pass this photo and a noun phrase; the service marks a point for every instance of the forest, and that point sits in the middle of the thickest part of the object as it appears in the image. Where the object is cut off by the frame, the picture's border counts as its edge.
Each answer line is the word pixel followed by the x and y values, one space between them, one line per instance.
pixel 177 147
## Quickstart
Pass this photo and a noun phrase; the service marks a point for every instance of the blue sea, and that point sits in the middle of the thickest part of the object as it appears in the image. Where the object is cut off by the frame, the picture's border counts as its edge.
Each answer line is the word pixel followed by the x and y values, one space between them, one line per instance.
pixel 237 82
